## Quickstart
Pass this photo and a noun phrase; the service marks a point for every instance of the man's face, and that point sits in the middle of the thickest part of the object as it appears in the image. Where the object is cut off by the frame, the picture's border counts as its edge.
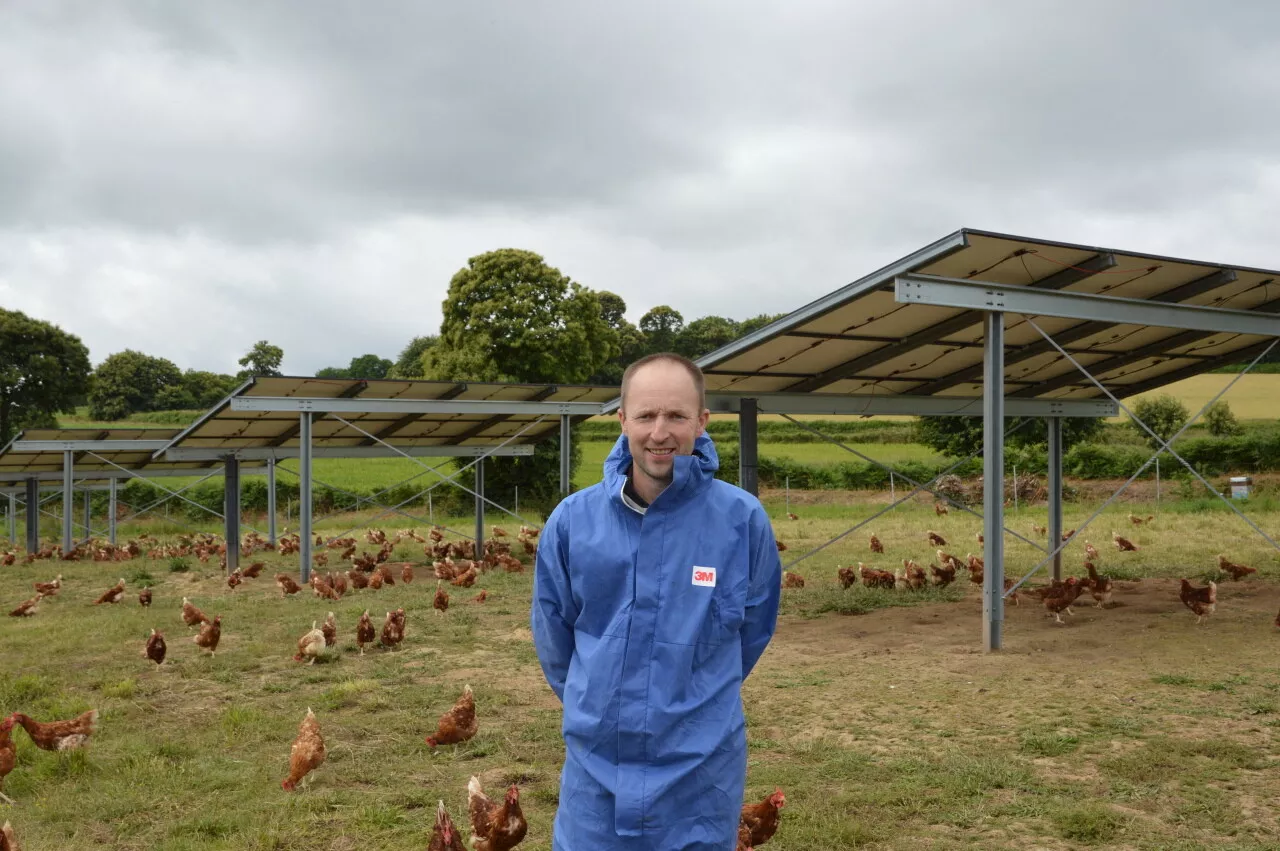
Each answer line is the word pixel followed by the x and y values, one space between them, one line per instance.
pixel 661 418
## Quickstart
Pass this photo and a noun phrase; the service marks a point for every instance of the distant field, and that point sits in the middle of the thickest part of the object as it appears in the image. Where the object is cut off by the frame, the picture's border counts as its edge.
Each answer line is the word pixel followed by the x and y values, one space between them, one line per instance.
pixel 1254 397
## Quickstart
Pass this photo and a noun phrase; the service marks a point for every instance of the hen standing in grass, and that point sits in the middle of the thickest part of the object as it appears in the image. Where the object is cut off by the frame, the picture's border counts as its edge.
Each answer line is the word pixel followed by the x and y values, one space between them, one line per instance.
pixel 1202 601
pixel 393 628
pixel 210 635
pixel 8 841
pixel 155 648
pixel 192 616
pixel 1237 571
pixel 59 735
pixel 494 826
pixel 307 753
pixel 8 754
pixel 144 598
pixel 112 594
pixel 365 633
pixel 759 822
pixel 441 601
pixel 330 630
pixel 310 645
pixel 445 837
pixel 458 724
pixel 27 608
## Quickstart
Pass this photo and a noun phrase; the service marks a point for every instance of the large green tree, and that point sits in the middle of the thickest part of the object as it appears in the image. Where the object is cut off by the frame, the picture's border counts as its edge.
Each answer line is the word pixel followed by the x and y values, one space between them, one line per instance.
pixel 369 366
pixel 660 327
pixel 207 388
pixel 962 436
pixel 705 335
pixel 333 372
pixel 630 341
pixel 260 361
pixel 409 364
pixel 130 381
pixel 509 316
pixel 43 370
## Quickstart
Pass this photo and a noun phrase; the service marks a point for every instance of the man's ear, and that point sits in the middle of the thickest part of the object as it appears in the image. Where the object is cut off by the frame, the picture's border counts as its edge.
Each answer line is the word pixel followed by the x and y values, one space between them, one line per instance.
pixel 703 419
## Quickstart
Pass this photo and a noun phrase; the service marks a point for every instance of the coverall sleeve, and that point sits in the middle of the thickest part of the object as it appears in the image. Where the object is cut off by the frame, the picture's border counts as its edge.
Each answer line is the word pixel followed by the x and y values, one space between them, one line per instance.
pixel 763 593
pixel 554 611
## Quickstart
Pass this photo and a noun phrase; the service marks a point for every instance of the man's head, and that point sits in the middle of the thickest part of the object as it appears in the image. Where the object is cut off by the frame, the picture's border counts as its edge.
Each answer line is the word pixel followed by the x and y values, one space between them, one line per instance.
pixel 662 414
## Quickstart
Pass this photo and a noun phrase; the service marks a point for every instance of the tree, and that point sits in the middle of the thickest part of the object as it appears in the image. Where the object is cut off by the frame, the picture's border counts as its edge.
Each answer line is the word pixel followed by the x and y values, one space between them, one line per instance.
pixel 333 372
pixel 43 371
pixel 660 327
pixel 410 362
pixel 705 335
pixel 755 323
pixel 631 343
pixel 511 317
pixel 1220 420
pixel 1163 414
pixel 261 361
pixel 960 437
pixel 369 366
pixel 207 388
pixel 129 382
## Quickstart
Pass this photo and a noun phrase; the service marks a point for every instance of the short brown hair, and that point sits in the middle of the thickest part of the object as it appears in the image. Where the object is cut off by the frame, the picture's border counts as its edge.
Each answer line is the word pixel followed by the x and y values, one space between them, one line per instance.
pixel 699 382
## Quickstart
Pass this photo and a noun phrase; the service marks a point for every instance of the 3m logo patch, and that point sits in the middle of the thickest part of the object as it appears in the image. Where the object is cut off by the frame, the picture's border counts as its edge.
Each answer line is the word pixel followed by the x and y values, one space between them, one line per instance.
pixel 705 576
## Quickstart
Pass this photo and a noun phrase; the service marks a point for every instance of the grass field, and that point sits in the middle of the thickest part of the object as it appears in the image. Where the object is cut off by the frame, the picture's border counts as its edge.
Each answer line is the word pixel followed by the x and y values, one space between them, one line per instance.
pixel 1128 727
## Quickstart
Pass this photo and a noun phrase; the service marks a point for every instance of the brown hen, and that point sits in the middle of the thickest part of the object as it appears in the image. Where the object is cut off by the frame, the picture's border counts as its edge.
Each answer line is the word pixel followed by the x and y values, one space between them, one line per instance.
pixel 759 822
pixel 494 826
pixel 444 836
pixel 59 735
pixel 307 753
pixel 458 724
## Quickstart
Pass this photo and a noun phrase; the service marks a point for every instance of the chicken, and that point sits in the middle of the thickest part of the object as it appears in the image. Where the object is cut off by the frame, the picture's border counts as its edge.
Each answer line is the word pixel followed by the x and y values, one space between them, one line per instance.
pixel 1237 571
pixel 8 839
pixel 1202 601
pixel 330 630
pixel 499 532
pixel 1040 530
pixel 375 580
pixel 364 631
pixel 792 516
pixel 467 578
pixel 252 571
pixel 1012 596
pixel 358 579
pixel 307 753
pixel 458 724
pixel 942 576
pixel 936 540
pixel 847 576
pixel 27 608
pixel 310 645
pixel 913 575
pixel 781 546
pixel 494 826
pixel 1278 619
pixel 192 616
pixel 406 574
pixel 1090 551
pixel 939 508
pixel 445 837
pixel 792 580
pixel 59 735
pixel 286 584
pixel 210 634
pixel 757 823
pixel 1138 521
pixel 873 578
pixel 876 546
pixel 975 561
pixel 155 648
pixel 8 754
pixel 976 572
pixel 393 628
pixel 1100 586
pixel 1067 535
pixel 481 597
pixel 1059 600
pixel 144 598
pixel 112 594
pixel 441 601
pixel 234 578
pixel 48 589
pixel 1124 545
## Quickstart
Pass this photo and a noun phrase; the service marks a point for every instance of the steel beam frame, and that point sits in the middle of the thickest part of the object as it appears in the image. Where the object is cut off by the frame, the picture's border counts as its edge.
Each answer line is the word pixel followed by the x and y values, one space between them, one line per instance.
pixel 279 453
pixel 285 404
pixel 231 512
pixel 566 455
pixel 68 500
pixel 479 482
pixel 993 481
pixel 977 295
pixel 271 501
pixel 1054 425
pixel 748 447
pixel 87 445
pixel 719 402
pixel 33 515
pixel 304 496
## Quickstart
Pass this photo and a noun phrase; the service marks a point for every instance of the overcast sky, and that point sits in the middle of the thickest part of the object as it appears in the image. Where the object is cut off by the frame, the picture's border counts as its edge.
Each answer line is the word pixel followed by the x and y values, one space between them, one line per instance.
pixel 187 178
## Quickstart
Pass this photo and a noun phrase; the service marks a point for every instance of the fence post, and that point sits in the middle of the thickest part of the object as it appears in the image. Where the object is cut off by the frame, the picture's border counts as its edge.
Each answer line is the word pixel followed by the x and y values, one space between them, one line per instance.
pixel 1157 480
pixel 893 497
pixel 517 499
pixel 1015 488
pixel 788 494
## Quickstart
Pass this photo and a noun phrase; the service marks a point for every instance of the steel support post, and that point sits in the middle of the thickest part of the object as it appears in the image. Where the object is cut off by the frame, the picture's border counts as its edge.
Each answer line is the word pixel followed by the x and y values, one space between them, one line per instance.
pixel 231 510
pixel 271 501
pixel 112 504
pixel 993 479
pixel 304 495
pixel 748 448
pixel 479 469
pixel 33 515
pixel 12 517
pixel 68 501
pixel 566 456
pixel 1055 492
pixel 88 514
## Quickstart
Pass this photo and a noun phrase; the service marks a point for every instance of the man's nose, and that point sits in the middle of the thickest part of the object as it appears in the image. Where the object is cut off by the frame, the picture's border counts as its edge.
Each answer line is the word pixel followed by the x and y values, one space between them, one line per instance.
pixel 660 428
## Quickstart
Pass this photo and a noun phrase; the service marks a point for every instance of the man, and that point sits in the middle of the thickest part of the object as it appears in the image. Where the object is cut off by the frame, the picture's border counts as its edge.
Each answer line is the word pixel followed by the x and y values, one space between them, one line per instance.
pixel 654 594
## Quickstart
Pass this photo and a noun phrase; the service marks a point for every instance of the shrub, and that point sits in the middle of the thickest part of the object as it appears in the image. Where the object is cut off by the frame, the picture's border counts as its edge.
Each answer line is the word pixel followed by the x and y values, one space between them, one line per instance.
pixel 1163 414
pixel 1220 421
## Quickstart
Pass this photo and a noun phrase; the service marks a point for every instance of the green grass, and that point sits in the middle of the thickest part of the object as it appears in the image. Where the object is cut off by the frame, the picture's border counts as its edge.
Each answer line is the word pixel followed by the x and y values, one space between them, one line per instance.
pixel 882 724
